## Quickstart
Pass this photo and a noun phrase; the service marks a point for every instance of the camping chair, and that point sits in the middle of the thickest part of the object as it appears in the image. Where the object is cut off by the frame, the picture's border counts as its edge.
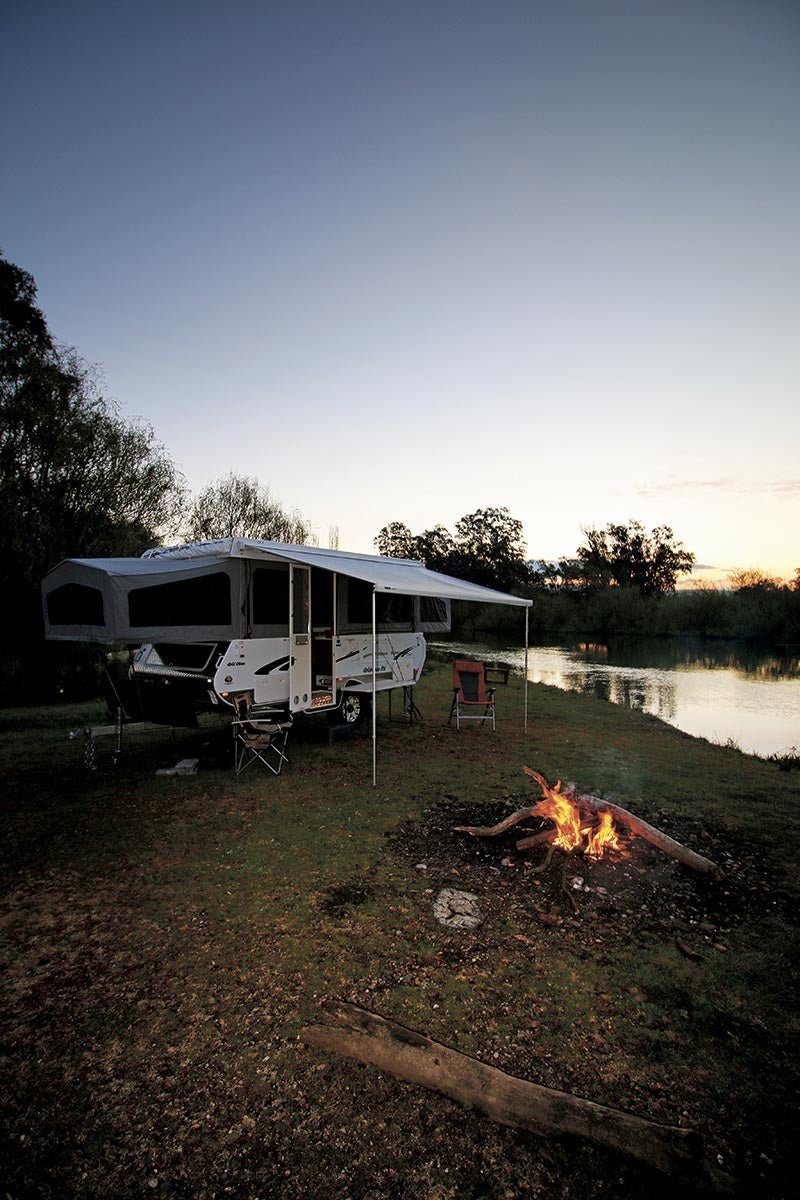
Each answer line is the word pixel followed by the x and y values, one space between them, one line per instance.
pixel 259 734
pixel 470 692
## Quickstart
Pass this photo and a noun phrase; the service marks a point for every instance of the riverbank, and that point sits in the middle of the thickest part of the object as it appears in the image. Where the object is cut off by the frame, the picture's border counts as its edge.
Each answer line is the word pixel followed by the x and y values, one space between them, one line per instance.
pixel 729 692
pixel 165 939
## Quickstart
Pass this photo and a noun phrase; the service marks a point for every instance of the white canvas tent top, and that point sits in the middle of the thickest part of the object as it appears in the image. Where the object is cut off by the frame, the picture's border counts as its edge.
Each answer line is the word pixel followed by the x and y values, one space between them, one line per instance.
pixel 100 599
pixel 105 599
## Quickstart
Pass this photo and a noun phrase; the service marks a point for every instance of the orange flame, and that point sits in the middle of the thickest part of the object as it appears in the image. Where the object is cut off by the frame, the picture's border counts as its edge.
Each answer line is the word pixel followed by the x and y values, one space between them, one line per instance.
pixel 604 837
pixel 560 808
pixel 563 812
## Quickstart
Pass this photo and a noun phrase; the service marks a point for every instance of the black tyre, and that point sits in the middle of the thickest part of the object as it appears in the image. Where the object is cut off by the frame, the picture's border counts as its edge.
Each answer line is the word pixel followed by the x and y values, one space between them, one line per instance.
pixel 353 710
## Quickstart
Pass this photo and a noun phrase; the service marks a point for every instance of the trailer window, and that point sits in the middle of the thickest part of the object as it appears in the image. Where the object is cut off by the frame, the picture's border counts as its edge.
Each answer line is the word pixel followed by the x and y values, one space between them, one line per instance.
pixel 301 578
pixel 204 600
pixel 433 614
pixel 321 599
pixel 395 611
pixel 75 604
pixel 391 612
pixel 432 610
pixel 271 596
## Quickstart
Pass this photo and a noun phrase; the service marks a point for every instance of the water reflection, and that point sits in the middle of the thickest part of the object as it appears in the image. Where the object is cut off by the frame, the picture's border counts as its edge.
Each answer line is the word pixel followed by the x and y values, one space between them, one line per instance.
pixel 694 654
pixel 719 691
pixel 652 690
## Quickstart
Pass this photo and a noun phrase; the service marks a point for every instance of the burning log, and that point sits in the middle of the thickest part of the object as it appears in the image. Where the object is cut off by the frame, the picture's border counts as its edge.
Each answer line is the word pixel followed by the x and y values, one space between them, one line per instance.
pixel 654 836
pixel 369 1038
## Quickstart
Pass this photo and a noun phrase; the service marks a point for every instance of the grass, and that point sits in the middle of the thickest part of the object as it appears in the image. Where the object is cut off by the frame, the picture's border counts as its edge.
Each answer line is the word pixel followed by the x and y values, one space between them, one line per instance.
pixel 164 939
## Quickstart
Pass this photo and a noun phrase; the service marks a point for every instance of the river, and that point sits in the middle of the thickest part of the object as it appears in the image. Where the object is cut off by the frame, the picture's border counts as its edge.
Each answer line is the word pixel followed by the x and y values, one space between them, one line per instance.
pixel 728 692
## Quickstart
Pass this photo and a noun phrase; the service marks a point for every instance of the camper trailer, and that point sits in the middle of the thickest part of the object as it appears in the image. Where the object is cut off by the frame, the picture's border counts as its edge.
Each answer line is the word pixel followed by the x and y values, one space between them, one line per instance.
pixel 262 630
pixel 247 624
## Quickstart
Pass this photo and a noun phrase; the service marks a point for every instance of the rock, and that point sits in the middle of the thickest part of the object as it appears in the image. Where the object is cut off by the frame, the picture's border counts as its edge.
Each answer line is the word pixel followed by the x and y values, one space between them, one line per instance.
pixel 458 910
pixel 548 918
pixel 187 766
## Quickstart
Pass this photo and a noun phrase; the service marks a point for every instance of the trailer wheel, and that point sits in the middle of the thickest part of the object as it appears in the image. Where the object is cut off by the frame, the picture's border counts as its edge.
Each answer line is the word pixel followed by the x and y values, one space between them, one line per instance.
pixel 353 710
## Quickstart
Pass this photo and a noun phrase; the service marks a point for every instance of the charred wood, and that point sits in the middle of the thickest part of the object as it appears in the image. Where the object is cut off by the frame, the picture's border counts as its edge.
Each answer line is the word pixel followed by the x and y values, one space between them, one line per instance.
pixel 649 833
pixel 537 839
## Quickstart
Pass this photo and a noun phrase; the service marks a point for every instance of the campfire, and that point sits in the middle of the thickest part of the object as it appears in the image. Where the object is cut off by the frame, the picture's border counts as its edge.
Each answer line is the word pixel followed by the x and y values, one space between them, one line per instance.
pixel 586 825
pixel 572 831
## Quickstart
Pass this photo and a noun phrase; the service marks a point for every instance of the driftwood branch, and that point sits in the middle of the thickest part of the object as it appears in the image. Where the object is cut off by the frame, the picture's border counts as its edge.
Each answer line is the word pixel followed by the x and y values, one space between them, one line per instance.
pixel 496 830
pixel 537 839
pixel 369 1038
pixel 649 833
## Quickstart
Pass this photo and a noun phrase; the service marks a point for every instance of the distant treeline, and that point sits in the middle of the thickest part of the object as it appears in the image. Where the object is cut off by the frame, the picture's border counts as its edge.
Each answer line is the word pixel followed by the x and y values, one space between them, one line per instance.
pixel 770 613
pixel 622 580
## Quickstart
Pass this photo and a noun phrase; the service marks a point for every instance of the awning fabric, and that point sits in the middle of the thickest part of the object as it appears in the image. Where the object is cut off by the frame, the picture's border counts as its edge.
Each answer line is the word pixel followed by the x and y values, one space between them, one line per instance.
pixel 405 576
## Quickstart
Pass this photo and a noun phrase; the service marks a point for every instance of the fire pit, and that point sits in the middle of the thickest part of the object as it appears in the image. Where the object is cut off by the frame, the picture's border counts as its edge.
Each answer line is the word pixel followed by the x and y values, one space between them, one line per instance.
pixel 644 886
pixel 586 825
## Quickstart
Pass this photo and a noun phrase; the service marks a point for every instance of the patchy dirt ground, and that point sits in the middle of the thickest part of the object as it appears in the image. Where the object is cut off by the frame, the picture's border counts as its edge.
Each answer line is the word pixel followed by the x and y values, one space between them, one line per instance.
pixel 162 943
pixel 638 887
pixel 145 1055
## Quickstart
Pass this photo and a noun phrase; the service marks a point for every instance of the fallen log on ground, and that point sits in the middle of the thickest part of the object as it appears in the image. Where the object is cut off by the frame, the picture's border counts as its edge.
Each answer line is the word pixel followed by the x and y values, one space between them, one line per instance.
pixel 367 1037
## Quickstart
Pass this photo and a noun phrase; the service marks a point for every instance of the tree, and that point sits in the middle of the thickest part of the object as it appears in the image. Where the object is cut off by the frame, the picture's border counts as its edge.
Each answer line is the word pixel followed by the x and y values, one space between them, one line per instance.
pixel 76 479
pixel 436 548
pixel 23 326
pixel 488 547
pixel 240 506
pixel 491 548
pixel 627 556
pixel 563 575
pixel 395 540
pixel 753 579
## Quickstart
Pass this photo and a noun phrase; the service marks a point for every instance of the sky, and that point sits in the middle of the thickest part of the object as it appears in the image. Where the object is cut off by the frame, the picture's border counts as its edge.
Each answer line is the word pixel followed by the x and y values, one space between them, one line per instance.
pixel 402 261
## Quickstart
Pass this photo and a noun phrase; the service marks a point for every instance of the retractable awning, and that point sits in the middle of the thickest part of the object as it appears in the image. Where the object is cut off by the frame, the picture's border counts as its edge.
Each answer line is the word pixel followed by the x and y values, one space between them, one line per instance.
pixel 404 576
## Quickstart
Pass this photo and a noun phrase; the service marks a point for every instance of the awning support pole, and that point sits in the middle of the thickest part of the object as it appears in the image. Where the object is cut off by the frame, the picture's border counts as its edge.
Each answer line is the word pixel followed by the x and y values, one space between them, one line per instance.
pixel 526 668
pixel 374 689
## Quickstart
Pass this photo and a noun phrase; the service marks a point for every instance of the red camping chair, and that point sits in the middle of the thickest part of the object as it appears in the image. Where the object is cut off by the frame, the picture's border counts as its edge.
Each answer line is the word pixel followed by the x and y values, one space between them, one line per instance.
pixel 470 692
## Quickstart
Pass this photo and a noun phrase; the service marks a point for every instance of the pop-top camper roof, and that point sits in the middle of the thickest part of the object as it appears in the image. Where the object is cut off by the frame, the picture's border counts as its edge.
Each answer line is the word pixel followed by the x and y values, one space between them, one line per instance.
pixel 197 592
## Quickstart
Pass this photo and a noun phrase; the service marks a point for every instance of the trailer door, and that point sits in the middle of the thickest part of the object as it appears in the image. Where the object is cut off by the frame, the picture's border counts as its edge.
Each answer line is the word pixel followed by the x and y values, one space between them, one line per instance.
pixel 300 661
